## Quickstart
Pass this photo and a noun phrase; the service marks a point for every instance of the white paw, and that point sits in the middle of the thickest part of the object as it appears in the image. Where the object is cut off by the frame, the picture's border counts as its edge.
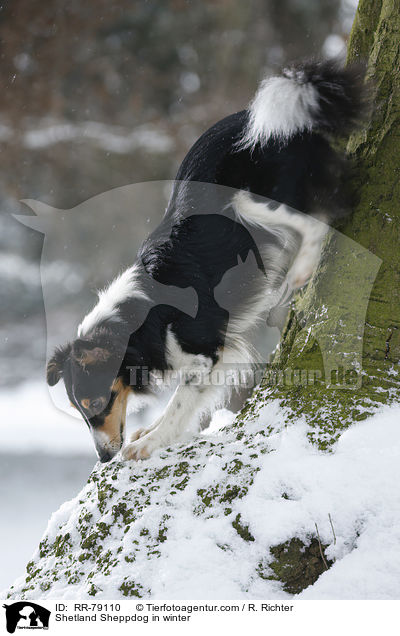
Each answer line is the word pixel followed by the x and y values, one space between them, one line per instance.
pixel 140 432
pixel 142 446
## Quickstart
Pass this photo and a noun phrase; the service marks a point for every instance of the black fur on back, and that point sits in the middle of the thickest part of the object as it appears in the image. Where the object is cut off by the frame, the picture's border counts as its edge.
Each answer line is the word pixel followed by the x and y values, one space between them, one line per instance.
pixel 194 249
pixel 195 244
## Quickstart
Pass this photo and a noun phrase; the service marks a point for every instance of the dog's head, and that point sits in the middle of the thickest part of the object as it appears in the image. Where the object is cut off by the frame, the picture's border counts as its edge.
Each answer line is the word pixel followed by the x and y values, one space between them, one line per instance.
pixel 91 370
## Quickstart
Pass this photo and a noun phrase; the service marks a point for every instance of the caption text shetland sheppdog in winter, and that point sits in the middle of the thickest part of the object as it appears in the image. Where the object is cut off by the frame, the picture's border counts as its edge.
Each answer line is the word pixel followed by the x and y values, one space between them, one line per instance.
pixel 231 253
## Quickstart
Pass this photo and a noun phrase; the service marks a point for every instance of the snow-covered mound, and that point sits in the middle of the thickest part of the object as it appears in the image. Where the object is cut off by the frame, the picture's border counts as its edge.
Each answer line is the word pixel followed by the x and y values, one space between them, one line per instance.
pixel 208 518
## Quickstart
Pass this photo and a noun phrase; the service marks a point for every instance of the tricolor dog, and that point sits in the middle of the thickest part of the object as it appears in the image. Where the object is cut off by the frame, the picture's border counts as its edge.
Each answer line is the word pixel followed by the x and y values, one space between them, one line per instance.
pixel 220 239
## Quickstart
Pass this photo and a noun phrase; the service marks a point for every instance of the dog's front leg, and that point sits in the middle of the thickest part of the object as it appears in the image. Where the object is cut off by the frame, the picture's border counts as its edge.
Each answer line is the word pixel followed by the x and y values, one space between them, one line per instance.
pixel 185 404
pixel 168 428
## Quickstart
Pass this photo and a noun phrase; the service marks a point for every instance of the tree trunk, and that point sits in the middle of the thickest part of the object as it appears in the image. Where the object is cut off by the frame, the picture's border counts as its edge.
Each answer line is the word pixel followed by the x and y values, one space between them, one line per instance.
pixel 339 352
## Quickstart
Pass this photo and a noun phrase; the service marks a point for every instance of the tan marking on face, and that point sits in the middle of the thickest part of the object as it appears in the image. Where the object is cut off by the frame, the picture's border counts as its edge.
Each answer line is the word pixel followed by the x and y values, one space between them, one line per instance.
pixel 94 356
pixel 85 403
pixel 117 417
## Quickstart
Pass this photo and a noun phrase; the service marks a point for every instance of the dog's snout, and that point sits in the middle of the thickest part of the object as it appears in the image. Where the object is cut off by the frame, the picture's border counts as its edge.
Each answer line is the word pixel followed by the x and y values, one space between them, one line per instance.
pixel 105 452
pixel 105 456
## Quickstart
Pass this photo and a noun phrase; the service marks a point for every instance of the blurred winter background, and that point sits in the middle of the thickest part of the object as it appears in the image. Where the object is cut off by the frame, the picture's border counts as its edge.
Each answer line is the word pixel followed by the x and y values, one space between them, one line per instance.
pixel 96 95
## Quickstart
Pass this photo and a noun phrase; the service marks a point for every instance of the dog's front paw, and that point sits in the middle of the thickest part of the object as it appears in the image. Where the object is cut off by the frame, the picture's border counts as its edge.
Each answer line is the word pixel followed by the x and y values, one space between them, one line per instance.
pixel 142 447
pixel 140 432
pixel 133 451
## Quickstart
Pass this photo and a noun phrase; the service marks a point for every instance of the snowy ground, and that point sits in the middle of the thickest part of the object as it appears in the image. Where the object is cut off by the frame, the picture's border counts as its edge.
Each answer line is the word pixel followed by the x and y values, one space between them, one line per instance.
pixel 357 486
pixel 46 456
pixel 293 487
pixel 31 488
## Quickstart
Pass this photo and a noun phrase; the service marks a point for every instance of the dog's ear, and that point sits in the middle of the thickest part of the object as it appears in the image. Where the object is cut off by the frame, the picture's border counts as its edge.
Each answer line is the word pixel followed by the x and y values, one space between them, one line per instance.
pixel 56 364
pixel 88 352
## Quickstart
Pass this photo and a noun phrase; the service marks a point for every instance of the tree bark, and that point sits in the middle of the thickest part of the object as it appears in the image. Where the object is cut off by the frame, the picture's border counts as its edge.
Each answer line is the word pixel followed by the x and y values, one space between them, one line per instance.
pixel 339 352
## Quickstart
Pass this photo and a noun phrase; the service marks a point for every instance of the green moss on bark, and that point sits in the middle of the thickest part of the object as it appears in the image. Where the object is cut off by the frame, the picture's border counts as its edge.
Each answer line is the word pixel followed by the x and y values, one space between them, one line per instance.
pixel 296 564
pixel 348 318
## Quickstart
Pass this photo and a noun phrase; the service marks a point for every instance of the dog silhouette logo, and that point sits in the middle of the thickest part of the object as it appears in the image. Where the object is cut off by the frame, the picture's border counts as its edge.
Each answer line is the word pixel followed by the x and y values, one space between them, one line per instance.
pixel 26 615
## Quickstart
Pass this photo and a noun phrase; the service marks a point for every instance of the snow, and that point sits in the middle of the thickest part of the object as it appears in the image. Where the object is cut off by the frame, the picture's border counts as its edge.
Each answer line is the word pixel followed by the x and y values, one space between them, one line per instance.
pixel 46 455
pixel 289 487
pixel 32 486
pixel 30 423
pixel 110 138
pixel 50 131
pixel 357 485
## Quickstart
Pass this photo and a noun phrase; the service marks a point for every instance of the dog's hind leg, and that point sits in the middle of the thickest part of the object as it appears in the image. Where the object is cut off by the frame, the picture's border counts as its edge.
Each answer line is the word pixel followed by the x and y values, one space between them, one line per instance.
pixel 312 230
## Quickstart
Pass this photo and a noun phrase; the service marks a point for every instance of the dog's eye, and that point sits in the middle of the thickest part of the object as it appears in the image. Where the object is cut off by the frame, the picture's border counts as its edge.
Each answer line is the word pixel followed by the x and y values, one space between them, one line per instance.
pixel 97 405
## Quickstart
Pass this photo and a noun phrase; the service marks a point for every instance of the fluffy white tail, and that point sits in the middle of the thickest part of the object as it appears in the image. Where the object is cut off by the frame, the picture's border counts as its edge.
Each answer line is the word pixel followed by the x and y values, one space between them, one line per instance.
pixel 313 95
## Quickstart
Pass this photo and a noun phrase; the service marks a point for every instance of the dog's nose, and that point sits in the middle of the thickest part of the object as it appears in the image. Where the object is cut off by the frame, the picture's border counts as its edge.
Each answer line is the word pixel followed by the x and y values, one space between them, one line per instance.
pixel 105 457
